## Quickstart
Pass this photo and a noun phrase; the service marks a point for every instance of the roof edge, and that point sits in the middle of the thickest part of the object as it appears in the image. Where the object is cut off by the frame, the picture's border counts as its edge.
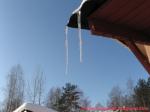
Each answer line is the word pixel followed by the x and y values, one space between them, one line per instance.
pixel 87 7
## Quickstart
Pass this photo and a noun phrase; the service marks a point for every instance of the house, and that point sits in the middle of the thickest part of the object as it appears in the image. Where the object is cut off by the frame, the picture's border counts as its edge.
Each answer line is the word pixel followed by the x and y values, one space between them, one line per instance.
pixel 127 21
pixel 28 107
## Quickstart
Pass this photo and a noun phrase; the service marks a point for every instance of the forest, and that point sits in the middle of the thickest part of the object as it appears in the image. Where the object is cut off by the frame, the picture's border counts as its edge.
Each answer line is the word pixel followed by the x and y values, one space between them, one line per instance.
pixel 69 97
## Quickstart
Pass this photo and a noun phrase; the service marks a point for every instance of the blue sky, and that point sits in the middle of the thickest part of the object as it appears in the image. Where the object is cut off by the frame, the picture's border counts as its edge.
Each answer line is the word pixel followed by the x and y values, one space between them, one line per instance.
pixel 32 34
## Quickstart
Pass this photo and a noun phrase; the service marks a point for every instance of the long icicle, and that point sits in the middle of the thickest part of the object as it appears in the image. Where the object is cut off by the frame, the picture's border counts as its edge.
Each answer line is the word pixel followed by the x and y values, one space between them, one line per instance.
pixel 67 49
pixel 80 36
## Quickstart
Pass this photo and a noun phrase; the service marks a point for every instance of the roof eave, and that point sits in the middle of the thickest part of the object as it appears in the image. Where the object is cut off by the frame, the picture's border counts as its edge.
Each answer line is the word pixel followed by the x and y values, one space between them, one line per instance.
pixel 87 7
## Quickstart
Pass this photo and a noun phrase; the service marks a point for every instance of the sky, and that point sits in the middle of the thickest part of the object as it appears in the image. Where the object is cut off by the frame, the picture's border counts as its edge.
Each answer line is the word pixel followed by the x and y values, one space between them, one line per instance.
pixel 32 35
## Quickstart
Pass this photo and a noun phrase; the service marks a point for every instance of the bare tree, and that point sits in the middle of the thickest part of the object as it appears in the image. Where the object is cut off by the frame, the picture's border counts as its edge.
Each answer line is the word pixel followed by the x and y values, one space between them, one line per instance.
pixel 130 86
pixel 53 97
pixel 98 105
pixel 36 88
pixel 119 98
pixel 115 97
pixel 85 102
pixel 15 89
pixel 128 98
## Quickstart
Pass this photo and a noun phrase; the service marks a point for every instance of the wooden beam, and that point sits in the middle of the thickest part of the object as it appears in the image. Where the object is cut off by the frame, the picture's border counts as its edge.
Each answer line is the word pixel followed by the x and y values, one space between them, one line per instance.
pixel 144 60
pixel 125 35
pixel 103 28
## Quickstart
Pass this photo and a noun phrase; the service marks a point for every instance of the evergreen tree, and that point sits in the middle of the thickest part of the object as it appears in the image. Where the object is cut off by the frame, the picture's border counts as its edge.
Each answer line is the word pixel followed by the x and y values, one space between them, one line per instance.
pixel 142 93
pixel 69 101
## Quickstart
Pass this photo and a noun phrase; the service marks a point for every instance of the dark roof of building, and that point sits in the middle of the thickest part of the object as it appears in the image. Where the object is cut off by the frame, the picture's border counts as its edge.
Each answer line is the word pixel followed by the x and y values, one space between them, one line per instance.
pixel 87 8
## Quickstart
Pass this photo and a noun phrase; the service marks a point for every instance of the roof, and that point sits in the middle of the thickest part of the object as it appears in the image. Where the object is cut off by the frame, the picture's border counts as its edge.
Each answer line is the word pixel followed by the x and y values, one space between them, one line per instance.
pixel 33 108
pixel 128 21
pixel 86 7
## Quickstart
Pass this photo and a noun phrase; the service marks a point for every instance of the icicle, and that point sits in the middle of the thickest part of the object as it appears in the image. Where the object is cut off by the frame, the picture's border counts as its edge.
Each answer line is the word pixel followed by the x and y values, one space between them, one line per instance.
pixel 80 37
pixel 67 48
